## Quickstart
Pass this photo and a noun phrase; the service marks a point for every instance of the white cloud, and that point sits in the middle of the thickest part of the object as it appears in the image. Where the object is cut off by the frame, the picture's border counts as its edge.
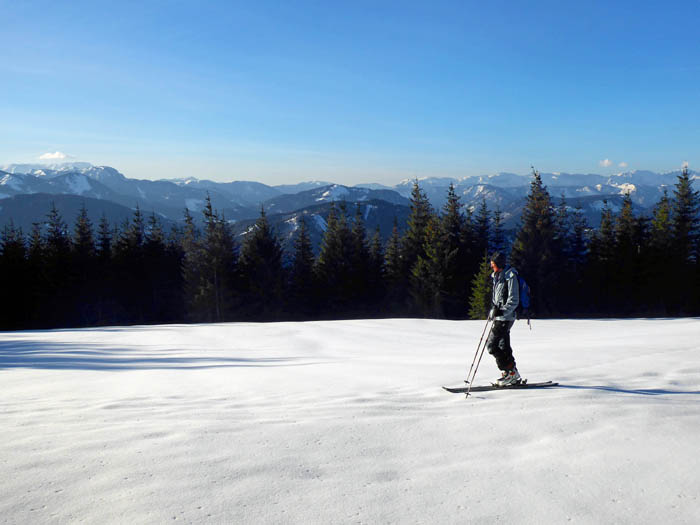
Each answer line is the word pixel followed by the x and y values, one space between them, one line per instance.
pixel 623 164
pixel 606 163
pixel 58 155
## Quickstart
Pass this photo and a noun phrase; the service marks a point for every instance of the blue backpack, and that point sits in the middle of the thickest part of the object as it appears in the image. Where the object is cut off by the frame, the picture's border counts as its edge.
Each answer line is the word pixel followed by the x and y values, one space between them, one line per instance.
pixel 523 308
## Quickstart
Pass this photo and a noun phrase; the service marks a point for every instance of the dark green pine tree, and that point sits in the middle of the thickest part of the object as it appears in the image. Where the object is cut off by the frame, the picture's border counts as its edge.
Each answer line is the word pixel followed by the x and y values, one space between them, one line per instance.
pixel 471 256
pixel 104 239
pixel 627 281
pixel 393 273
pixel 303 292
pixel 685 221
pixel 482 229
pixel 414 241
pixel 661 278
pixel 375 276
pixel 104 287
pixel 334 265
pixel 262 274
pixel 535 252
pixel 162 293
pixel 567 292
pixel 498 235
pixel 14 279
pixel 562 225
pixel 59 275
pixel 192 267
pixel 429 273
pixel 360 265
pixel 216 296
pixel 36 264
pixel 130 279
pixel 602 266
pixel 685 225
pixel 84 270
pixel 577 290
pixel 482 288
pixel 457 258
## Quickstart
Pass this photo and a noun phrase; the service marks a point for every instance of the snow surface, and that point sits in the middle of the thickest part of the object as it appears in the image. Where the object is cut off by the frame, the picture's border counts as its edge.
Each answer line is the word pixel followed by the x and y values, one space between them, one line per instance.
pixel 345 422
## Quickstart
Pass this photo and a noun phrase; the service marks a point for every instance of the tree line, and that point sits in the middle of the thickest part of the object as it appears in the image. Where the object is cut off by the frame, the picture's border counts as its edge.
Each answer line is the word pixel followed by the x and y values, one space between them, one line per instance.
pixel 136 272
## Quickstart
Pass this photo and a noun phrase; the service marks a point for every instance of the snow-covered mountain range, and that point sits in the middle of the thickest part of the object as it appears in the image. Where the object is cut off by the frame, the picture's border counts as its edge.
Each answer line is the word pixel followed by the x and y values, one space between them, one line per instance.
pixel 242 200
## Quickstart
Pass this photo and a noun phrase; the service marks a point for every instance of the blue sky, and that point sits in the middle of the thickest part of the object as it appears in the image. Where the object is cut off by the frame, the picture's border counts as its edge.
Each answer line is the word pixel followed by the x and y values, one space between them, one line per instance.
pixel 351 91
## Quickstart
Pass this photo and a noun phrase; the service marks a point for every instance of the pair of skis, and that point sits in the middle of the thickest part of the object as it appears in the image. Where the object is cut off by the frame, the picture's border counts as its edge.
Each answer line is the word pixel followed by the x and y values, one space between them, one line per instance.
pixel 486 388
pixel 472 373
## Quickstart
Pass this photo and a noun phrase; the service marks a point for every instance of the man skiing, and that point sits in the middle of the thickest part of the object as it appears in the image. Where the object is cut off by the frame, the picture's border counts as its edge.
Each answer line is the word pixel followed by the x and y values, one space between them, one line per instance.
pixel 505 298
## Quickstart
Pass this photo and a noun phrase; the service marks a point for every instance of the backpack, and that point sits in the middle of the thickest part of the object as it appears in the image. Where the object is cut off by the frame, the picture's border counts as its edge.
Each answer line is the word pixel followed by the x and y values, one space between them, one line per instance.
pixel 523 309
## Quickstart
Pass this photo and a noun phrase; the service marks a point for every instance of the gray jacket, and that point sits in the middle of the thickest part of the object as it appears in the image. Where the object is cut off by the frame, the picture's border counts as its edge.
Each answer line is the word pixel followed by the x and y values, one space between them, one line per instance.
pixel 505 278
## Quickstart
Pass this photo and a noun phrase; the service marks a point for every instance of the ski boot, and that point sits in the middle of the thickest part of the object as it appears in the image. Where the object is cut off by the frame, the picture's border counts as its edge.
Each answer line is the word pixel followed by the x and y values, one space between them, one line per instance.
pixel 509 378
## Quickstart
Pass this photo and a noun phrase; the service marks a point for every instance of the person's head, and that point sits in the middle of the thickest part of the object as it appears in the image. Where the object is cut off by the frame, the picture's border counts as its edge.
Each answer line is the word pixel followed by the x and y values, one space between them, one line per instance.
pixel 498 261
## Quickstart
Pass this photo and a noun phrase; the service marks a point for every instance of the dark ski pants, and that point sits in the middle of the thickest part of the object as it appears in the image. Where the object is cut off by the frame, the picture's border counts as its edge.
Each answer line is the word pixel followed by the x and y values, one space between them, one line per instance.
pixel 499 344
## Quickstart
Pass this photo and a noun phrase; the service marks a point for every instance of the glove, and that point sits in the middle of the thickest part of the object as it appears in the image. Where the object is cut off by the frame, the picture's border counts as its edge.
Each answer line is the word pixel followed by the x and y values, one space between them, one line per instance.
pixel 495 312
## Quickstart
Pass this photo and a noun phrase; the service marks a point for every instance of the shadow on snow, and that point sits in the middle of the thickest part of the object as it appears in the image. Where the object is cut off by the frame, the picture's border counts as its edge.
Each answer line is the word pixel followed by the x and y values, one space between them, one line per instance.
pixel 639 391
pixel 41 355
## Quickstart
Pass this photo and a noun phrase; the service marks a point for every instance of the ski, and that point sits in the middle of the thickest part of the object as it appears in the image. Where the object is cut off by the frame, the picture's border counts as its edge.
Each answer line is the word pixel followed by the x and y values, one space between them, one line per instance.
pixel 486 388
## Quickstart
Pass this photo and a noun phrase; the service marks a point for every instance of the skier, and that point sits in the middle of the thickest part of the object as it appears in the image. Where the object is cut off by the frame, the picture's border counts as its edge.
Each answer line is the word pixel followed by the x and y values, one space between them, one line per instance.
pixel 505 298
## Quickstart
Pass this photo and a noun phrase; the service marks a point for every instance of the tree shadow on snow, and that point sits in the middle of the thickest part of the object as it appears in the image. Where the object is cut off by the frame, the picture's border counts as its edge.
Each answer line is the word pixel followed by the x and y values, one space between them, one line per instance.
pixel 76 356
pixel 639 391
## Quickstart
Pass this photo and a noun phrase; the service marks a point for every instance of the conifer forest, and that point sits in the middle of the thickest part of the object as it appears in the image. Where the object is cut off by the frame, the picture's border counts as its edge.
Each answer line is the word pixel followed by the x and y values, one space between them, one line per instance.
pixel 137 273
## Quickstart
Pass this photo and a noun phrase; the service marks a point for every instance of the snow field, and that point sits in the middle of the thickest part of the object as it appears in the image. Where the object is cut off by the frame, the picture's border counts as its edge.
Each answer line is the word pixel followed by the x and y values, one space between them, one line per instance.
pixel 345 422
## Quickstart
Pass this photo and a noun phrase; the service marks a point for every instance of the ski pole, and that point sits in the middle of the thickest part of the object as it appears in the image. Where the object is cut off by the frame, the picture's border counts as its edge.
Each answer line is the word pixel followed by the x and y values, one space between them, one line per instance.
pixel 488 320
pixel 479 361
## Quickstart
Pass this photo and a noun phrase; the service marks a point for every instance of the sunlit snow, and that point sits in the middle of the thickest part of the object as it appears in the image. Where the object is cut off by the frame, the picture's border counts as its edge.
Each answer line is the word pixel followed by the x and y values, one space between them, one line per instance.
pixel 345 422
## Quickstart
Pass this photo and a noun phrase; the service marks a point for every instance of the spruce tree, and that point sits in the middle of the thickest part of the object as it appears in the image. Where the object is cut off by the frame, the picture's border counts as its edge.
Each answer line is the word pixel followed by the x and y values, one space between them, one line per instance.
pixel 59 277
pixel 429 272
pixel 498 236
pixel 161 275
pixel 105 306
pixel 685 221
pixel 482 229
pixel 577 292
pixel 535 251
pixel 661 280
pixel 14 279
pixel 393 272
pixel 602 267
pixel 457 258
pixel 482 289
pixel 360 263
pixel 685 225
pixel 36 268
pixel 627 260
pixel 303 293
pixel 375 276
pixel 214 296
pixel 262 274
pixel 413 242
pixel 333 266
pixel 192 267
pixel 84 269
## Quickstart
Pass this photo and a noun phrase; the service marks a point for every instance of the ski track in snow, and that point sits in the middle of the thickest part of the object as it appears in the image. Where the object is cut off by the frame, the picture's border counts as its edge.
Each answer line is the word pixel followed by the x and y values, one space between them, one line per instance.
pixel 345 422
